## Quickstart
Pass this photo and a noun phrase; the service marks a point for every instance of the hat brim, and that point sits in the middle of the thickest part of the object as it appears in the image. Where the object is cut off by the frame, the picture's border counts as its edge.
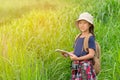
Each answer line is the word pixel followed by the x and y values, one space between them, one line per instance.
pixel 76 22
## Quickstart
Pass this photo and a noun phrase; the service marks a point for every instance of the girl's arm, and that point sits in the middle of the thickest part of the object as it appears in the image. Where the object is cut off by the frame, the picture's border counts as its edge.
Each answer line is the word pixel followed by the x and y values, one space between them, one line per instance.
pixel 72 52
pixel 86 57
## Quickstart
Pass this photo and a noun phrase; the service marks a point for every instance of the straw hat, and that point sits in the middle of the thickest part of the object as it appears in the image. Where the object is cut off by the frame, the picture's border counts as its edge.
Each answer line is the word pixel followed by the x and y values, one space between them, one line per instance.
pixel 85 16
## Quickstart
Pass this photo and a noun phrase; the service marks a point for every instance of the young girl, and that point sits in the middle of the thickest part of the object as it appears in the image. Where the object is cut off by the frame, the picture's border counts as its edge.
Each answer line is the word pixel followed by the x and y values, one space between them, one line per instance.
pixel 82 67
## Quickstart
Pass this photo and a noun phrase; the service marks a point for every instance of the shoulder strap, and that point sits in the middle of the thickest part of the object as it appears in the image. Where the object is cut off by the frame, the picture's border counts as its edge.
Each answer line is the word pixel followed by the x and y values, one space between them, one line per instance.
pixel 77 36
pixel 97 50
pixel 85 43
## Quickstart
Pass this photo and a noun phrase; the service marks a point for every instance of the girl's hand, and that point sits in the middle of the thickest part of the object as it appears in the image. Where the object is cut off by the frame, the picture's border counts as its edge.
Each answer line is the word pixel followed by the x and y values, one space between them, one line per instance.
pixel 64 54
pixel 74 57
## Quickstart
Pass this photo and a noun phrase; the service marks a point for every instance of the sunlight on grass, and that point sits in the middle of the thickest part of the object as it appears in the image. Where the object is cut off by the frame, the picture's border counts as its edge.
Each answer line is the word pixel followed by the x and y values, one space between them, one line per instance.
pixel 28 42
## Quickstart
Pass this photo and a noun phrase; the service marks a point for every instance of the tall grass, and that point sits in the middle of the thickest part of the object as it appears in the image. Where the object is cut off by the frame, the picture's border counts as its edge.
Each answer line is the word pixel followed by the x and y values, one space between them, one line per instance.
pixel 28 43
pixel 107 15
pixel 15 8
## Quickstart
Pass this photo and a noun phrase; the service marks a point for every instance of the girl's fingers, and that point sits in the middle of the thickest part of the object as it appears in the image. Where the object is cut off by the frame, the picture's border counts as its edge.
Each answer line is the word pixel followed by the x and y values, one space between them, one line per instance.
pixel 65 55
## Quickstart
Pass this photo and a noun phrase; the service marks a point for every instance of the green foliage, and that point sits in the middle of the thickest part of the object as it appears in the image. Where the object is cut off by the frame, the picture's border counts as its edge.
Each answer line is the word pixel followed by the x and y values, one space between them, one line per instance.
pixel 106 9
pixel 28 44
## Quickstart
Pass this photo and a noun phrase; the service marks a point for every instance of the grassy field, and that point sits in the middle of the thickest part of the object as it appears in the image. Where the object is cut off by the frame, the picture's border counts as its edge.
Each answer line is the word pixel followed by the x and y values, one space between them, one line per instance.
pixel 31 30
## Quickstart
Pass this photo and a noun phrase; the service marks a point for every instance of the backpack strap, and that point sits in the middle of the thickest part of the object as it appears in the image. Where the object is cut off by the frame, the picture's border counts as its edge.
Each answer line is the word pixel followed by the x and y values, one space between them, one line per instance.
pixel 86 41
pixel 77 37
pixel 97 50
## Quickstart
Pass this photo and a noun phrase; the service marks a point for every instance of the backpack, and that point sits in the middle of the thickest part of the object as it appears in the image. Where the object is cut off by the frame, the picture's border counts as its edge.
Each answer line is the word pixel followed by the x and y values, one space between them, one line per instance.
pixel 96 58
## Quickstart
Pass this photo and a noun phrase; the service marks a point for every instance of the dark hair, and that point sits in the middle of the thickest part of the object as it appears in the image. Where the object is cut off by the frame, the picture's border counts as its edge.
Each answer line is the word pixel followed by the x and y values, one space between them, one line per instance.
pixel 91 30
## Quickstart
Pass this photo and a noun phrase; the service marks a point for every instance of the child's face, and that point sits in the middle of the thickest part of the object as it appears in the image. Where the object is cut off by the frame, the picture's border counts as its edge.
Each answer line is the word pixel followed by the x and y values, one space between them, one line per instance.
pixel 83 25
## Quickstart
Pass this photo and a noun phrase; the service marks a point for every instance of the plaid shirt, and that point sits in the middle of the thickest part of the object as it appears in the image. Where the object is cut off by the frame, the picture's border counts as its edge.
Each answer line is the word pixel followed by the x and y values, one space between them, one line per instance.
pixel 82 70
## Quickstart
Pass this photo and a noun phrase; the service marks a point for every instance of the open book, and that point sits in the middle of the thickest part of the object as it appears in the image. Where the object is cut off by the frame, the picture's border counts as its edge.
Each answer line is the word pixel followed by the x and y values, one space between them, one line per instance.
pixel 64 52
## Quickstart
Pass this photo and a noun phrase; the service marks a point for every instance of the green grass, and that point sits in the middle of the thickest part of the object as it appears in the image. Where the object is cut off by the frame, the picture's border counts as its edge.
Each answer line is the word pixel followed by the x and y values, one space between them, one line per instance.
pixel 28 40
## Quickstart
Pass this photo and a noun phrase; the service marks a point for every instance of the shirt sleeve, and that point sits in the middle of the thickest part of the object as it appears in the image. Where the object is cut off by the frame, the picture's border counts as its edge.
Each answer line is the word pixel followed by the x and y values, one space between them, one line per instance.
pixel 92 42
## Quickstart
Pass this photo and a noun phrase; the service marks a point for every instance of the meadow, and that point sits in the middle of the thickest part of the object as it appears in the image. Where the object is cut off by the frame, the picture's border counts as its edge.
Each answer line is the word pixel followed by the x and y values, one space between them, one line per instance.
pixel 31 30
